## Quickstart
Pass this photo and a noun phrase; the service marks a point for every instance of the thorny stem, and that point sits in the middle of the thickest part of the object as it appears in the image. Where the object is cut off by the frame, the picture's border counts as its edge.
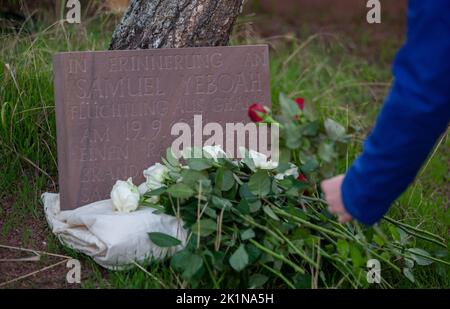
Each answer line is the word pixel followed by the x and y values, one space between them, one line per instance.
pixel 417 232
pixel 428 257
pixel 250 221
pixel 308 224
pixel 301 254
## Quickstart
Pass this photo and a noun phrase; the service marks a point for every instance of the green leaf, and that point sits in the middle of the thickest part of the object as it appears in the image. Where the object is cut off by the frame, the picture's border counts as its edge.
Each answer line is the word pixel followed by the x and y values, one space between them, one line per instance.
pixel 293 136
pixel 292 186
pixel 220 202
pixel 232 193
pixel 247 234
pixel 356 256
pixel 237 179
pixel 169 166
pixel 163 240
pixel 193 177
pixel 257 281
pixel 247 160
pixel 253 253
pixel 170 157
pixel 207 227
pixel 378 240
pixel 216 257
pixel 284 158
pixel 259 183
pixel 219 178
pixel 394 233
pixel 306 144
pixel 228 164
pixel 326 152
pixel 334 130
pixel 403 236
pixel 343 248
pixel 210 212
pixel 270 213
pixel 199 164
pixel 255 206
pixel 155 192
pixel 228 180
pixel 244 192
pixel 243 207
pixel 180 190
pixel 417 255
pixel 187 263
pixel 310 165
pixel 174 174
pixel 239 259
pixel 302 281
pixel 289 108
pixel 309 112
pixel 311 129
pixel 224 179
pixel 409 274
pixel 409 263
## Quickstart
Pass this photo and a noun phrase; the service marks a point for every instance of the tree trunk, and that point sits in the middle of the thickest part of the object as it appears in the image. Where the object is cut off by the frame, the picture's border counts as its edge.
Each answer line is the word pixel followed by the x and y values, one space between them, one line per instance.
pixel 176 23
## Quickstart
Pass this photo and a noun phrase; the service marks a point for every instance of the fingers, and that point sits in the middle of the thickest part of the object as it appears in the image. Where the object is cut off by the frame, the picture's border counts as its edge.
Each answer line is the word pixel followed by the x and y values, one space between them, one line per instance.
pixel 332 194
pixel 324 185
pixel 344 218
pixel 332 209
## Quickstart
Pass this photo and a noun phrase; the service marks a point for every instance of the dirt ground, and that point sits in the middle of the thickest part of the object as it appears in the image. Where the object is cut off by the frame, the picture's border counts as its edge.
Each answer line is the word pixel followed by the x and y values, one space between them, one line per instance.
pixel 346 18
pixel 17 262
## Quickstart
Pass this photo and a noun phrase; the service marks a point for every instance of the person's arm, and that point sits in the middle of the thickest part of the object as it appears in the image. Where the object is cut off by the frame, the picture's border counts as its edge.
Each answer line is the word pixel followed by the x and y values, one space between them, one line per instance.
pixel 414 115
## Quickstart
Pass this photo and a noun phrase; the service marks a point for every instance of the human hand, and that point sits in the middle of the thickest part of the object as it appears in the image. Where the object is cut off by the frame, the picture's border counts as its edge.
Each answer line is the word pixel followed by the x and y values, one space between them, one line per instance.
pixel 332 190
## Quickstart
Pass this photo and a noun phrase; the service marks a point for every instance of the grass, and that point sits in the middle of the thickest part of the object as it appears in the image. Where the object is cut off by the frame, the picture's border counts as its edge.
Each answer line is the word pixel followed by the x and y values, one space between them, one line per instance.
pixel 320 69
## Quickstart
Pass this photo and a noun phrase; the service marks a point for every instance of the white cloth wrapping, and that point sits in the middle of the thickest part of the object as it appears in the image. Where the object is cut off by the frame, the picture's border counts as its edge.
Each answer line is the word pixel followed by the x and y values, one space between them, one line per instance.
pixel 113 239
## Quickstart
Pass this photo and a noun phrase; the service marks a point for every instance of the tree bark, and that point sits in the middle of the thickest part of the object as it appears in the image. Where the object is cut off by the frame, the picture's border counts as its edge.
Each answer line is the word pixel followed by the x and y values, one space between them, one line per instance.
pixel 176 23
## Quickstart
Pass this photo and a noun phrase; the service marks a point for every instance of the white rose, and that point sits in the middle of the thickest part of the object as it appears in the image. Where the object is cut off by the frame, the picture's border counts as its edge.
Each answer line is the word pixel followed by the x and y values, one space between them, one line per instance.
pixel 291 171
pixel 215 152
pixel 144 188
pixel 261 161
pixel 155 176
pixel 125 196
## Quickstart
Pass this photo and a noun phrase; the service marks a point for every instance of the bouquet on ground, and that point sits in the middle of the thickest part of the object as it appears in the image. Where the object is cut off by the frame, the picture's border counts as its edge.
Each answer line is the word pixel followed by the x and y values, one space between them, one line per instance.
pixel 256 223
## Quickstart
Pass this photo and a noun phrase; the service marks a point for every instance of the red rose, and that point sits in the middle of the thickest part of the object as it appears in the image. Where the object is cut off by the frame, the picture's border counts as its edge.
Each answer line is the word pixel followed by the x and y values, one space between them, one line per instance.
pixel 254 112
pixel 302 178
pixel 300 103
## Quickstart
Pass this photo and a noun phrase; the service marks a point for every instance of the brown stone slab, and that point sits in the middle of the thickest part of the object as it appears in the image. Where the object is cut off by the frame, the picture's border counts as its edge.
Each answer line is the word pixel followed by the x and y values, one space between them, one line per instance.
pixel 115 109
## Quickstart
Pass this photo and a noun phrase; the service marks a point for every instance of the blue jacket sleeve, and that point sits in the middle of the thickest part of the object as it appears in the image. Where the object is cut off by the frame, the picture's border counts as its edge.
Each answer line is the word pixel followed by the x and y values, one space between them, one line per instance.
pixel 415 114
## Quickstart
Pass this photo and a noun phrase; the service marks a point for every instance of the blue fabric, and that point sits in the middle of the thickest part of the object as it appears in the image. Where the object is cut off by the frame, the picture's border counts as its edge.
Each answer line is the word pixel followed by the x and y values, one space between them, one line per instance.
pixel 414 116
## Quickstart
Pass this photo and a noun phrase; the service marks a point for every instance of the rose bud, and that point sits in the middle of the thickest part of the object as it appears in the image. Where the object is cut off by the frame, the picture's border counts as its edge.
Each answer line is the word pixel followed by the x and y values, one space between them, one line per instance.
pixel 302 178
pixel 254 112
pixel 300 103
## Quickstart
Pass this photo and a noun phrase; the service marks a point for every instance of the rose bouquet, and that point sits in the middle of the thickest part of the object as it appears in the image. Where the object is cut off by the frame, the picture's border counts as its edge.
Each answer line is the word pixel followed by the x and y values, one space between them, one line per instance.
pixel 257 223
